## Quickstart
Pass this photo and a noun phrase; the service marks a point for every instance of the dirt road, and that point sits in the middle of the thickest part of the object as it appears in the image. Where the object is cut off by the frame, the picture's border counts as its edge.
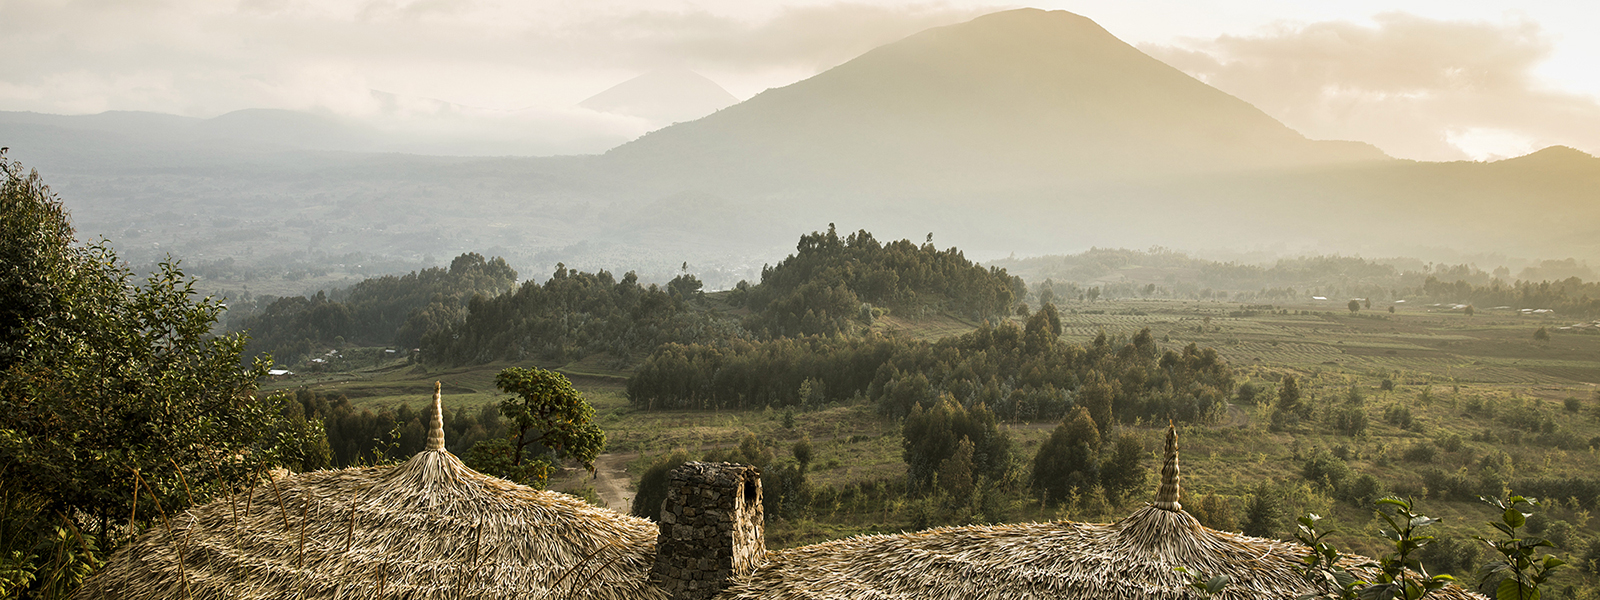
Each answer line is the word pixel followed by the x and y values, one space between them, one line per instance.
pixel 612 481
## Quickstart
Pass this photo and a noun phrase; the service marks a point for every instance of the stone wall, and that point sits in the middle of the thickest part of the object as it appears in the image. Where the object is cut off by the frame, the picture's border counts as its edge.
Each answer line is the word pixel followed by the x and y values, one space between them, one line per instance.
pixel 711 529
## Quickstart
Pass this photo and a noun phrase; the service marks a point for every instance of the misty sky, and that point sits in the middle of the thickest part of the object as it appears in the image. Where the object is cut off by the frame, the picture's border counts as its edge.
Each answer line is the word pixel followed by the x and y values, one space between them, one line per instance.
pixel 1432 80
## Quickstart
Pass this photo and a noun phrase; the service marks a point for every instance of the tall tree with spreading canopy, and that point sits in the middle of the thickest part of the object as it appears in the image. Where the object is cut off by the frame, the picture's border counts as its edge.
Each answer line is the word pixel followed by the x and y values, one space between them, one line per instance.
pixel 548 417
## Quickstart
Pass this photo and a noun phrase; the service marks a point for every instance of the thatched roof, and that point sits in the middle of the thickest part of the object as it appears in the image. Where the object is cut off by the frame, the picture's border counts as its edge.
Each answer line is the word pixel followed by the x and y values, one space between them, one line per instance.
pixel 428 529
pixel 1132 559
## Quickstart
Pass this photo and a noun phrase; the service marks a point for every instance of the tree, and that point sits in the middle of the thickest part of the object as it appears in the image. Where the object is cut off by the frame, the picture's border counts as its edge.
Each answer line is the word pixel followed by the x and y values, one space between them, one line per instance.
pixel 1263 514
pixel 686 286
pixel 1097 396
pixel 1247 393
pixel 955 473
pixel 933 435
pixel 1350 419
pixel 109 387
pixel 1354 306
pixel 1289 394
pixel 1469 310
pixel 1520 570
pixel 546 414
pixel 1070 458
pixel 802 453
pixel 1290 408
pixel 1215 512
pixel 1123 469
pixel 1542 335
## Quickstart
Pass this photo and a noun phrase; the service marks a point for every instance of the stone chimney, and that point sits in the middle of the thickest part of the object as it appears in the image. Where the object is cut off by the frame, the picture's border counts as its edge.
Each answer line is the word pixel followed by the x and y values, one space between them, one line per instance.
pixel 711 529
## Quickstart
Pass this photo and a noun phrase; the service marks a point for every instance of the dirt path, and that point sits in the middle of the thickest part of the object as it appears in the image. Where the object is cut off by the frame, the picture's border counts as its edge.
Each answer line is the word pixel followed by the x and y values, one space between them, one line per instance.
pixel 612 481
pixel 1237 417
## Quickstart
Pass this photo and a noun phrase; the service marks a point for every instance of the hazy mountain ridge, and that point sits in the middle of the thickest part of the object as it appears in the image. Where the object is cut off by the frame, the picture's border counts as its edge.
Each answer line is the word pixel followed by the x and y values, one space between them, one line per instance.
pixel 1025 131
pixel 1025 93
pixel 665 96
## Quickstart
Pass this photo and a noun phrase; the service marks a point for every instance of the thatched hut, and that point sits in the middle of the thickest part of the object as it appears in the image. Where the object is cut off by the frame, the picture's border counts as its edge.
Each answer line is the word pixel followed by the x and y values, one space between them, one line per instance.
pixel 1133 559
pixel 430 528
pixel 434 529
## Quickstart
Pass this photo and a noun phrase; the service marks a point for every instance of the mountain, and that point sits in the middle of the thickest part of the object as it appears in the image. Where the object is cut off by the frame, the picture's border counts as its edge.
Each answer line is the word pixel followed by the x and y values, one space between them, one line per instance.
pixel 1020 94
pixel 1024 131
pixel 664 97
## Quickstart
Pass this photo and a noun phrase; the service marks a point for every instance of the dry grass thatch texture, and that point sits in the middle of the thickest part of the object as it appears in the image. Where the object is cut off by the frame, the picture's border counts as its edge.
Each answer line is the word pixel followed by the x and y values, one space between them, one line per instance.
pixel 1133 559
pixel 428 529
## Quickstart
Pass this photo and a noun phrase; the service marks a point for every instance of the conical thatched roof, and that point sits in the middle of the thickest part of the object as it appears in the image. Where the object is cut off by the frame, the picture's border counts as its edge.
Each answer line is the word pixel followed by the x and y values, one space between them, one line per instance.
pixel 1134 558
pixel 428 529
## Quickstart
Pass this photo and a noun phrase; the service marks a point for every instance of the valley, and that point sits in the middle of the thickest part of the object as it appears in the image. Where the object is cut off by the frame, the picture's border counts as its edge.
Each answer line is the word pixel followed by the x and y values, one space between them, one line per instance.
pixel 1476 390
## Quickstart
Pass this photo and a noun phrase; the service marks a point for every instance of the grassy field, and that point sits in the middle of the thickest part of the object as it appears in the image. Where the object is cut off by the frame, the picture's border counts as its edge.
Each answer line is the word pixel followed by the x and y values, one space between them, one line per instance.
pixel 1473 377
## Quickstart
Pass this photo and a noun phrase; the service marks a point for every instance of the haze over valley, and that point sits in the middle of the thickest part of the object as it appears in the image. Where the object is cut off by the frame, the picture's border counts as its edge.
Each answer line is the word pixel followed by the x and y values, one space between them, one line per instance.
pixel 1023 132
pixel 956 280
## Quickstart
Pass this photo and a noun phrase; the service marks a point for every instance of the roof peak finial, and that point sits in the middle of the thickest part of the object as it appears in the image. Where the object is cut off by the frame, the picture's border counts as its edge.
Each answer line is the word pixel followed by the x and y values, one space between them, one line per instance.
pixel 436 431
pixel 1171 489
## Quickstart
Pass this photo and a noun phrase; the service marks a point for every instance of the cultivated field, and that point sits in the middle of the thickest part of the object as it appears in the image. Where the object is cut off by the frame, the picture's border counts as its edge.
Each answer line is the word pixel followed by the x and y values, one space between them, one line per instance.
pixel 1527 406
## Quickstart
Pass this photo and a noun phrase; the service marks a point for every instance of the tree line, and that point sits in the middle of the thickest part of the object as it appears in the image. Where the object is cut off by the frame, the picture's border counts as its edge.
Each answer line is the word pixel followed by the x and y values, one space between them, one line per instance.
pixel 1570 297
pixel 574 314
pixel 386 433
pixel 398 310
pixel 1023 373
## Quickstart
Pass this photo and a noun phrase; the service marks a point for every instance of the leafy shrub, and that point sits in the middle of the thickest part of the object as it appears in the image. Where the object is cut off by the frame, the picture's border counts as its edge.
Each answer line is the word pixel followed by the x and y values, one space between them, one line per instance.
pixel 1398 415
pixel 1420 452
pixel 1325 469
pixel 1450 442
pixel 1350 420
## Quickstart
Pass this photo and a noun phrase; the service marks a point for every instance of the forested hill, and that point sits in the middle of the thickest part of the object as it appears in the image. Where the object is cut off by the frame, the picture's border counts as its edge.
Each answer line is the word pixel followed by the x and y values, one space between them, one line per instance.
pixel 573 315
pixel 821 288
pixel 830 285
pixel 384 310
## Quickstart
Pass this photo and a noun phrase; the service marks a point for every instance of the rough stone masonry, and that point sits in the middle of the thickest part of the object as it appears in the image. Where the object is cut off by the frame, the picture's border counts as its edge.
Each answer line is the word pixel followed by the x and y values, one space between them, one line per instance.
pixel 711 529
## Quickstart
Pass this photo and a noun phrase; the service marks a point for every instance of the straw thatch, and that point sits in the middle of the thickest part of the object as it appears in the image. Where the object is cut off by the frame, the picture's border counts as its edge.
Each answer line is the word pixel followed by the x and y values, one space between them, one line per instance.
pixel 428 529
pixel 1134 558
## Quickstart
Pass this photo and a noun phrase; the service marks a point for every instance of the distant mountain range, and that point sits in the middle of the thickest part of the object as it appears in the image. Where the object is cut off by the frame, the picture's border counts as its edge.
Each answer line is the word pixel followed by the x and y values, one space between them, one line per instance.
pixel 1026 130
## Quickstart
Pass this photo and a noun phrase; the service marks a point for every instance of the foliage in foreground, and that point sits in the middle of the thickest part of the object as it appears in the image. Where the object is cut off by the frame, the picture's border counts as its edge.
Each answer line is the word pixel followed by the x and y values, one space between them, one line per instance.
pixel 1517 574
pixel 117 406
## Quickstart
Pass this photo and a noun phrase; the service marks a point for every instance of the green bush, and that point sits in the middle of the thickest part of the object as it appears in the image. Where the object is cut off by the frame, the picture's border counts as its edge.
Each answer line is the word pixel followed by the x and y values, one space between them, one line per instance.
pixel 1420 452
pixel 1325 469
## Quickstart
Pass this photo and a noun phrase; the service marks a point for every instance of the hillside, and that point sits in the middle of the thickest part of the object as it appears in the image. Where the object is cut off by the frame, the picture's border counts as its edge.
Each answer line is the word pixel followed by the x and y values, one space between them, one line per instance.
pixel 1023 93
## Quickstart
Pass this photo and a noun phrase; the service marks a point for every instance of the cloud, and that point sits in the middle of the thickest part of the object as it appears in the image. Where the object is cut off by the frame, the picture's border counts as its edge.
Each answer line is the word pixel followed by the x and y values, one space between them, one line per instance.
pixel 1415 87
pixel 815 37
pixel 208 57
pixel 271 53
